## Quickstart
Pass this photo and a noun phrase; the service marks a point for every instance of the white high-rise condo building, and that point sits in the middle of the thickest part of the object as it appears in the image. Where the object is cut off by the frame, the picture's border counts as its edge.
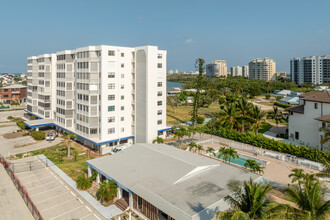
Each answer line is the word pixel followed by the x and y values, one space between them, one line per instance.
pixel 217 68
pixel 106 95
pixel 245 71
pixel 236 71
pixel 262 69
pixel 314 69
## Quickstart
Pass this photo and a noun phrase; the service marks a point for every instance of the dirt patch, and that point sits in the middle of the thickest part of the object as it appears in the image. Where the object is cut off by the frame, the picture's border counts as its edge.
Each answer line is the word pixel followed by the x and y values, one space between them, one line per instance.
pixel 14 135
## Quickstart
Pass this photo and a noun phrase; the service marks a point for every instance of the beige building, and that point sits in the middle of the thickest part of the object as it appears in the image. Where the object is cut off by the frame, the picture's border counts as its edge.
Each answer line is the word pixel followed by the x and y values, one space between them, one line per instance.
pixel 262 69
pixel 217 68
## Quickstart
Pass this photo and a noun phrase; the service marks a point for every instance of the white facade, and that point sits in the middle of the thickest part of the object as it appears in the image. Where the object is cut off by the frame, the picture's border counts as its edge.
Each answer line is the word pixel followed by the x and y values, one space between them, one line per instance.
pixel 314 69
pixel 107 95
pixel 217 68
pixel 236 71
pixel 262 69
pixel 305 122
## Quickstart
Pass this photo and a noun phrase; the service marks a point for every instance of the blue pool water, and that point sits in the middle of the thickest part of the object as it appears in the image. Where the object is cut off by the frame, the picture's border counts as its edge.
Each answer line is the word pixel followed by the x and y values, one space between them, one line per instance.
pixel 241 160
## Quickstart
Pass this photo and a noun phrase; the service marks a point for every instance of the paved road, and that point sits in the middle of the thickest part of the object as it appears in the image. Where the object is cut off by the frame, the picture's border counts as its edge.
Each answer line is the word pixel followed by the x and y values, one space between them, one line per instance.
pixel 12 206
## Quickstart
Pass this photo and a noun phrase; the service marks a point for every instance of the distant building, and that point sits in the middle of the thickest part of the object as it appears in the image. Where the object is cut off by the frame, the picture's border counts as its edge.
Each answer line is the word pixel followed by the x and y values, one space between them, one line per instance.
pixel 306 119
pixel 281 74
pixel 290 100
pixel 321 88
pixel 17 93
pixel 245 71
pixel 283 93
pixel 170 72
pixel 236 71
pixel 217 68
pixel 314 69
pixel 262 69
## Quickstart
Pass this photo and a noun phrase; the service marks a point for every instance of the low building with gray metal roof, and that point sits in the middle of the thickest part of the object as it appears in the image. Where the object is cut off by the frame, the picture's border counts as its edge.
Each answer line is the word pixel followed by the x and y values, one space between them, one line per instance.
pixel 173 183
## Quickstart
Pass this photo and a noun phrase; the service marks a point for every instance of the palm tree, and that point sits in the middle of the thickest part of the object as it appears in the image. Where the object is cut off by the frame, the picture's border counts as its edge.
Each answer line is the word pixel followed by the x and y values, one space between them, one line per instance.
pixel 244 106
pixel 200 129
pixel 325 172
pixel 298 176
pixel 250 202
pixel 326 131
pixel 258 115
pixel 277 115
pixel 210 151
pixel 68 139
pixel 180 133
pixel 229 117
pixel 253 166
pixel 107 190
pixel 191 131
pixel 158 140
pixel 232 153
pixel 199 148
pixel 309 199
pixel 192 145
pixel 222 152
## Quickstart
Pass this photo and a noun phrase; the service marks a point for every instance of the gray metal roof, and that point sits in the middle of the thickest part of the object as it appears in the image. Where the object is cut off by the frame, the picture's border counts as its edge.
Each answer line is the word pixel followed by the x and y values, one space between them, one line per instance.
pixel 16 86
pixel 179 183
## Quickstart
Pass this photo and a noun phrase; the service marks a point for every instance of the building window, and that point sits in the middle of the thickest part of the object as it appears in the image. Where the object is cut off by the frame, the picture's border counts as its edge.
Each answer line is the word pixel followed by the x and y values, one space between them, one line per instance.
pixel 122 108
pixel 315 105
pixel 159 93
pixel 159 65
pixel 122 76
pixel 122 129
pixel 122 119
pixel 160 56
pixel 111 75
pixel 111 130
pixel 111 108
pixel 159 103
pixel 122 97
pixel 296 135
pixel 323 124
pixel 111 86
pixel 111 53
pixel 122 86
pixel 159 84
pixel 159 112
pixel 111 119
pixel 93 131
pixel 111 97
pixel 122 65
pixel 159 122
pixel 122 54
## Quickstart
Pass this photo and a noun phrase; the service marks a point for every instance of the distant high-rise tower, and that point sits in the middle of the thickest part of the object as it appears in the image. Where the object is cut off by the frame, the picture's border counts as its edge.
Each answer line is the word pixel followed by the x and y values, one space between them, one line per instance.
pixel 262 69
pixel 236 71
pixel 314 69
pixel 245 71
pixel 217 68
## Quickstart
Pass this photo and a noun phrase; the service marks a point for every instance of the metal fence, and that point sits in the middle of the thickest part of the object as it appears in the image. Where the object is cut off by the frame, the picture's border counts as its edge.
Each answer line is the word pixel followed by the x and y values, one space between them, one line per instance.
pixel 21 189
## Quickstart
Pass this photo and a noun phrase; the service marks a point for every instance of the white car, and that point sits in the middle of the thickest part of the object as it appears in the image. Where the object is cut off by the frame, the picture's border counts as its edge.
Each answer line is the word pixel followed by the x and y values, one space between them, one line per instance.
pixel 50 137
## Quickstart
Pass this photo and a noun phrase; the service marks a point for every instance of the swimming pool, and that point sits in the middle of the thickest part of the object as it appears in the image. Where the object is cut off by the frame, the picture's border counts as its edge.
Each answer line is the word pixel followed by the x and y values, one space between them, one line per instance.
pixel 241 160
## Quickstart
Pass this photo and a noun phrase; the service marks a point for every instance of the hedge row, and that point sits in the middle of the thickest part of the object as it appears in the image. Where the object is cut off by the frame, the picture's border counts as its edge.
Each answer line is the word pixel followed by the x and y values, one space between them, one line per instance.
pixel 280 104
pixel 270 144
pixel 21 124
pixel 38 135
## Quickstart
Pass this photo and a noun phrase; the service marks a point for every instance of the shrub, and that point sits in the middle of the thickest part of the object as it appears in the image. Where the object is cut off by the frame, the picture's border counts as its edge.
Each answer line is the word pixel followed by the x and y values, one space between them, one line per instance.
pixel 280 104
pixel 267 96
pixel 270 144
pixel 19 155
pixel 10 117
pixel 21 124
pixel 38 135
pixel 83 182
pixel 33 117
pixel 200 120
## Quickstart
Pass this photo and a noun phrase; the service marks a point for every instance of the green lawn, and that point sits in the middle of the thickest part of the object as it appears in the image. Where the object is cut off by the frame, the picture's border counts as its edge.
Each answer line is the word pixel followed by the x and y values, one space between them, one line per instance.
pixel 282 122
pixel 264 127
pixel 182 113
pixel 71 166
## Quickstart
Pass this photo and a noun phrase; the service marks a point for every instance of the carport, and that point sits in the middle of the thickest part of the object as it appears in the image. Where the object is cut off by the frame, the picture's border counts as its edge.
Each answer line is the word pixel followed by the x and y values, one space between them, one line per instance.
pixel 39 123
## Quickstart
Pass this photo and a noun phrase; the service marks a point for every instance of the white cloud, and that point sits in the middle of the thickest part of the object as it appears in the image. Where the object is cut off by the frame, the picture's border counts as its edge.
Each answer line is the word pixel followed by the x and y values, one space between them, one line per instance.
pixel 188 41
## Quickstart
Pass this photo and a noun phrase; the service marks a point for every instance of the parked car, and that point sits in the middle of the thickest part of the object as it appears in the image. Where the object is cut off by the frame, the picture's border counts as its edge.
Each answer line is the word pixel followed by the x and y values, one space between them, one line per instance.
pixel 50 137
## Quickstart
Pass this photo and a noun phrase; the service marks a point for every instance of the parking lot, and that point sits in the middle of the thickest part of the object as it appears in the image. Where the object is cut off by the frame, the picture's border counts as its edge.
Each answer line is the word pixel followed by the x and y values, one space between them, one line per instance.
pixel 52 196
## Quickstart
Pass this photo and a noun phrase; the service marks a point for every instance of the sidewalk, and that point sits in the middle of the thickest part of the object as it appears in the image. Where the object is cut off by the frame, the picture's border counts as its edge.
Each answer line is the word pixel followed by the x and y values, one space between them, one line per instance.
pixel 12 206
pixel 36 146
pixel 107 212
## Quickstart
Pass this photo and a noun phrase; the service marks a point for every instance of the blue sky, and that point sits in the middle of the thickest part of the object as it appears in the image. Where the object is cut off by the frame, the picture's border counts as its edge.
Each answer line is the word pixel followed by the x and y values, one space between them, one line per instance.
pixel 234 30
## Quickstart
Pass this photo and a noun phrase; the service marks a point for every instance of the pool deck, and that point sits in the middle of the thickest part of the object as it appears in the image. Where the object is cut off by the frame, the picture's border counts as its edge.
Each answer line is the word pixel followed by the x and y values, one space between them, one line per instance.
pixel 275 170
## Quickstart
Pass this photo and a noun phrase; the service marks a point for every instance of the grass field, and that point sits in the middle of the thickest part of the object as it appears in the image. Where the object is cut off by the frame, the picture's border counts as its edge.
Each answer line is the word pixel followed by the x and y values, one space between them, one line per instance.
pixel 182 113
pixel 72 166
